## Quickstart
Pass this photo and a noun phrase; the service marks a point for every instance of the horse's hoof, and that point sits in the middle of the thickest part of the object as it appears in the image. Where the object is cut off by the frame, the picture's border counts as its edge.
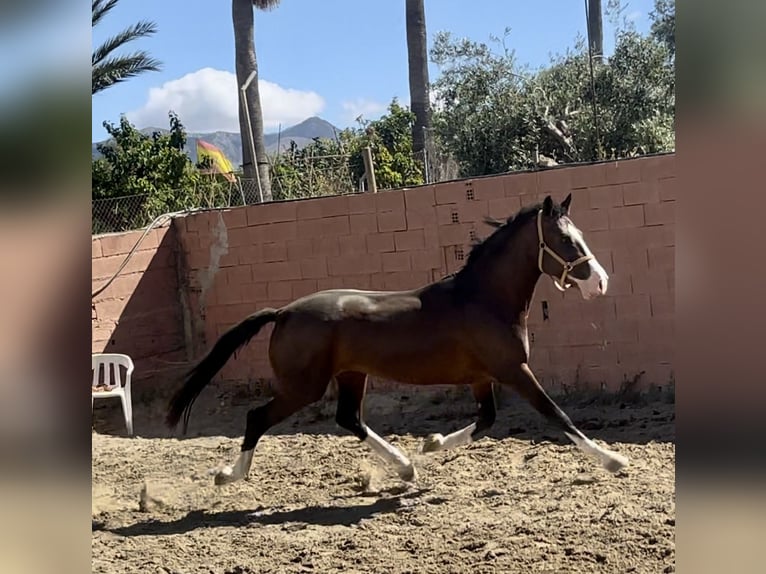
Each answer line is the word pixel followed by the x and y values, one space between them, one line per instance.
pixel 224 476
pixel 615 463
pixel 432 443
pixel 407 473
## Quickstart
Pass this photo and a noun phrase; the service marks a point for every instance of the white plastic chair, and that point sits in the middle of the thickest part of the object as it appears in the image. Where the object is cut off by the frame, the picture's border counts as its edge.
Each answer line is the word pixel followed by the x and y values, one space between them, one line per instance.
pixel 112 386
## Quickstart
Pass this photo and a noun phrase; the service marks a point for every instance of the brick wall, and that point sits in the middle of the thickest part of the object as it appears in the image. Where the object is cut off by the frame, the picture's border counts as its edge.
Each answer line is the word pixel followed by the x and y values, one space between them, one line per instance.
pixel 239 260
pixel 139 313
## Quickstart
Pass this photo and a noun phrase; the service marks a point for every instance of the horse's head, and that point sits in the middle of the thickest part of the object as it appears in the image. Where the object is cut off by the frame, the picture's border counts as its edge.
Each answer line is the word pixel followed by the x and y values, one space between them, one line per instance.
pixel 563 253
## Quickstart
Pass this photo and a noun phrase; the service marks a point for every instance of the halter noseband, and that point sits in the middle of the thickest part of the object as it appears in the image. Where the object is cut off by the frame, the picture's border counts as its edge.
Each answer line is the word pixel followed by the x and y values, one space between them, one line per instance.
pixel 560 283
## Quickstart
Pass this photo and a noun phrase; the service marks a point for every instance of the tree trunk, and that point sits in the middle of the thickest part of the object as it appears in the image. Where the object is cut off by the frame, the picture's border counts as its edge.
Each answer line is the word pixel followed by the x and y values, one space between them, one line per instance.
pixel 596 29
pixel 246 63
pixel 417 57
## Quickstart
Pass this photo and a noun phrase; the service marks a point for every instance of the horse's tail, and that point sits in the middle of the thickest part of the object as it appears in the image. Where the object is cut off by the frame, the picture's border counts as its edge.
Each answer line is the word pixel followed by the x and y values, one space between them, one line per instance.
pixel 200 375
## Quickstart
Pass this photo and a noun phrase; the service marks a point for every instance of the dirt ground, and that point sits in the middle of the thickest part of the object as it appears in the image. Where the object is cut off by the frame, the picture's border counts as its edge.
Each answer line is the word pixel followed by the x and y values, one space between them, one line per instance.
pixel 522 499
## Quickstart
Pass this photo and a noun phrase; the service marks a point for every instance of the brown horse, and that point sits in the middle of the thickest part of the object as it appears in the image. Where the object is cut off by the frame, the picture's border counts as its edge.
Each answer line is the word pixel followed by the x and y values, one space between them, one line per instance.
pixel 468 328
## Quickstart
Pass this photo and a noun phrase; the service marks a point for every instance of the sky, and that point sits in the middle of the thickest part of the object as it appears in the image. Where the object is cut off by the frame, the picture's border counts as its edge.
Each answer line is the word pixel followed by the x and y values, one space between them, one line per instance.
pixel 335 59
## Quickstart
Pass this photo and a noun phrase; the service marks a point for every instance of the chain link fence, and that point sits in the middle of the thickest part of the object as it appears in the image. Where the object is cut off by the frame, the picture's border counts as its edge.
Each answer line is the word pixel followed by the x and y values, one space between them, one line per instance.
pixel 130 212
pixel 119 214
pixel 312 176
pixel 438 165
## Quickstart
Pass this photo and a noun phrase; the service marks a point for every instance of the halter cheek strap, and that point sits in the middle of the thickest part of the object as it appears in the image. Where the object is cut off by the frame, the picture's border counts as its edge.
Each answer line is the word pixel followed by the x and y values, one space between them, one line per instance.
pixel 567 266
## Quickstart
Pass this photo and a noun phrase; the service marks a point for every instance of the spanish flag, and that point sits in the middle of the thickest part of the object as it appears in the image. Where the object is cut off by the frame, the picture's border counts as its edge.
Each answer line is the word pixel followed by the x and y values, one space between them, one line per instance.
pixel 220 163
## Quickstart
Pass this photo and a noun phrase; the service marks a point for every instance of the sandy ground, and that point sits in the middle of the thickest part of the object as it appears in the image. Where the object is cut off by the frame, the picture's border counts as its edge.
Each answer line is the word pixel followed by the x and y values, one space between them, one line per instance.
pixel 522 499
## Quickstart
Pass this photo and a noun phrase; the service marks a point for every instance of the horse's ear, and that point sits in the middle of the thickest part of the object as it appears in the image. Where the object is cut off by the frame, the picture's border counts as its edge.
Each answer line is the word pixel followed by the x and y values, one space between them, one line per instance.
pixel 548 205
pixel 565 203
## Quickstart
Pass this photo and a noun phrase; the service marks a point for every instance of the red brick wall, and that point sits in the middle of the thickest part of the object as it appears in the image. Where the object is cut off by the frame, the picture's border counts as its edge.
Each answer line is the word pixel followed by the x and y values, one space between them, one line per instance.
pixel 243 259
pixel 139 313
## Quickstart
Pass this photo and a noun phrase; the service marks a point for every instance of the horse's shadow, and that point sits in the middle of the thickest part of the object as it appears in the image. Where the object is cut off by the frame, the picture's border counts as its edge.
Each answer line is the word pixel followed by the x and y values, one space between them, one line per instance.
pixel 344 515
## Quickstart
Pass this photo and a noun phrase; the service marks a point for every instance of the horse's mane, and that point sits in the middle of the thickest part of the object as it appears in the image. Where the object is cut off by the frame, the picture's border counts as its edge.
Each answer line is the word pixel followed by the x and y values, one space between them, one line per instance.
pixel 504 232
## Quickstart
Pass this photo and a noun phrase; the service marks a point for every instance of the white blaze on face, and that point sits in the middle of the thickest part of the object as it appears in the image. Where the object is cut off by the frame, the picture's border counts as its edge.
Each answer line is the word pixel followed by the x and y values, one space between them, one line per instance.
pixel 596 283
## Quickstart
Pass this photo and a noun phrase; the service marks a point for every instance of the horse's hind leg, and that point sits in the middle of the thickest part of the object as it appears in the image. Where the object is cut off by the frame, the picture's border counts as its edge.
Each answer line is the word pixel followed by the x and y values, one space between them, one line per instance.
pixel 484 394
pixel 260 420
pixel 524 381
pixel 351 389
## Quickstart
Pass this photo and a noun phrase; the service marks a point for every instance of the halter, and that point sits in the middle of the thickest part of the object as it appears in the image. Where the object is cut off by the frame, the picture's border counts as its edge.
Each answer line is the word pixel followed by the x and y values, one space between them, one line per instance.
pixel 560 283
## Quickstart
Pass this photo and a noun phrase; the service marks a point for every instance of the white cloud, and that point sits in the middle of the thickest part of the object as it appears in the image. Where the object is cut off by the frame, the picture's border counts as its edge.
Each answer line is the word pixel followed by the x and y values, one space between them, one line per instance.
pixel 369 109
pixel 207 100
pixel 634 16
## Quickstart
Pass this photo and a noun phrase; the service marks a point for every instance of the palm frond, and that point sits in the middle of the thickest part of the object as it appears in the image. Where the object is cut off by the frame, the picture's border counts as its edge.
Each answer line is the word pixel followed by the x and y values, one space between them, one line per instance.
pixel 139 30
pixel 108 69
pixel 265 4
pixel 114 70
pixel 99 9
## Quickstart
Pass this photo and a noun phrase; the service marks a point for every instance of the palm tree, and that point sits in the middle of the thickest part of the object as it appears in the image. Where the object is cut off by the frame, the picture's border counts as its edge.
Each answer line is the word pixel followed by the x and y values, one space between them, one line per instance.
pixel 417 57
pixel 246 63
pixel 595 29
pixel 108 69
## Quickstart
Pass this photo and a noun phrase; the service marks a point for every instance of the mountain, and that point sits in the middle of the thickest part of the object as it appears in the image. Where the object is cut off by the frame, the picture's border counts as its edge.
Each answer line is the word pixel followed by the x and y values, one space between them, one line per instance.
pixel 230 144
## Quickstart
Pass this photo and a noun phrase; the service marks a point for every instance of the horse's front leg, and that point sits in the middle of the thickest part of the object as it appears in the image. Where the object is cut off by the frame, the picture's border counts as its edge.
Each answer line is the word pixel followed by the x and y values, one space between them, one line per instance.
pixel 521 378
